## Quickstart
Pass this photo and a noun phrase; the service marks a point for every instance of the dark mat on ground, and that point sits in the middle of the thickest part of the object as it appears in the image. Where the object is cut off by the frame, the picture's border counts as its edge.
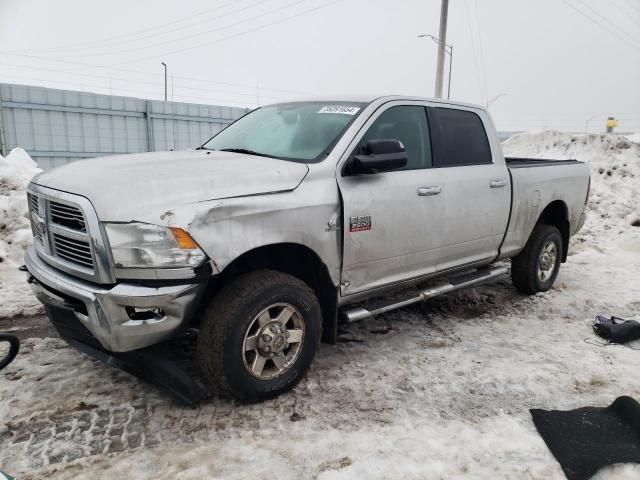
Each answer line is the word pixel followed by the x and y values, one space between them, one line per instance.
pixel 587 439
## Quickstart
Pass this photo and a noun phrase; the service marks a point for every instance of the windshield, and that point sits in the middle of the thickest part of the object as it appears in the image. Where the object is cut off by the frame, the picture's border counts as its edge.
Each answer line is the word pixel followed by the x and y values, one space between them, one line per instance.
pixel 301 131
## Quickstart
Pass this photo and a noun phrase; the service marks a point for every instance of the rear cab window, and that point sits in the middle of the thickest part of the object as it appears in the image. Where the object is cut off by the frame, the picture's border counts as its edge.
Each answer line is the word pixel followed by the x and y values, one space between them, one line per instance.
pixel 458 137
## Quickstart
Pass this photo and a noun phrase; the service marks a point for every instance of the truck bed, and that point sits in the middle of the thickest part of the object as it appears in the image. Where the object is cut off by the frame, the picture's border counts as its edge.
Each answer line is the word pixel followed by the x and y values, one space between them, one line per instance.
pixel 518 162
pixel 533 189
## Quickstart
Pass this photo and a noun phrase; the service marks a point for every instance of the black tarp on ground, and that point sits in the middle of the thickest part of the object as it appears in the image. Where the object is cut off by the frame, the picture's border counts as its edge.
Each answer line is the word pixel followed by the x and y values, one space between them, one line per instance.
pixel 587 439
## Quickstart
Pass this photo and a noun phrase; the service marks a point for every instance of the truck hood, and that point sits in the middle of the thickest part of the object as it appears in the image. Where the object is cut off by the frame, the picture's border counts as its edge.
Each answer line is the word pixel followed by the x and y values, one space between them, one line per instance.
pixel 129 187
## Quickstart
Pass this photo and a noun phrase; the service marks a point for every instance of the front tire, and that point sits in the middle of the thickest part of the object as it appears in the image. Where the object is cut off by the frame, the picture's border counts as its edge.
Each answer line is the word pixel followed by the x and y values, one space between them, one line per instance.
pixel 259 335
pixel 535 268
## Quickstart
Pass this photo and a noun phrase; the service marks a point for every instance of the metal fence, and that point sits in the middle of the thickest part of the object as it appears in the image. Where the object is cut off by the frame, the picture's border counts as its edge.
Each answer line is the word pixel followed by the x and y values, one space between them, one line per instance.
pixel 60 126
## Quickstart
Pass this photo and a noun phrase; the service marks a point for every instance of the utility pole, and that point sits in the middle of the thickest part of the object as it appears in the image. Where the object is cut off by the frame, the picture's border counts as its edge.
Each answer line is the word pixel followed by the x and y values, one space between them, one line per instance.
pixel 165 80
pixel 444 9
pixel 450 66
pixel 450 52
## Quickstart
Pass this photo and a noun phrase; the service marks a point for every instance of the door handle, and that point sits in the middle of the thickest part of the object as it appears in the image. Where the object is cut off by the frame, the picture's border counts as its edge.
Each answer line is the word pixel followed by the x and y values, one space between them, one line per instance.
pixel 498 183
pixel 428 191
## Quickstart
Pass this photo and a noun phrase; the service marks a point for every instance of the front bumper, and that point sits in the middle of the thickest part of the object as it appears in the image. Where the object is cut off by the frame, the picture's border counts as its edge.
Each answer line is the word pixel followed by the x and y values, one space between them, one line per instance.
pixel 103 309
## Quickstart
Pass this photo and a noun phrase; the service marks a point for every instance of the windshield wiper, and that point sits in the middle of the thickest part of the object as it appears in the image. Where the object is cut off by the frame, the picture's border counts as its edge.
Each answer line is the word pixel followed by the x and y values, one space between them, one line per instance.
pixel 246 151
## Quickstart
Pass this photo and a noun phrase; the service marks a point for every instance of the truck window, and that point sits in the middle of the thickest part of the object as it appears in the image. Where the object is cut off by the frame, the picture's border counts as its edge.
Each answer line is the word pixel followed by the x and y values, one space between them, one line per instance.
pixel 407 123
pixel 458 138
pixel 302 132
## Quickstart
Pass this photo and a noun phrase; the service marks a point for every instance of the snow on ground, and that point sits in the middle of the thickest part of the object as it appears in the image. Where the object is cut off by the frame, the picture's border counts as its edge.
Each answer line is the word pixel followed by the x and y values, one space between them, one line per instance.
pixel 434 391
pixel 15 233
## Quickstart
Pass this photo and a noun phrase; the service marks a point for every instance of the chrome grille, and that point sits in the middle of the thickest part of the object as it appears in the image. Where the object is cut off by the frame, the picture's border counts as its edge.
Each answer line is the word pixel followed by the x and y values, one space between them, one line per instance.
pixel 67 216
pixel 34 209
pixel 33 203
pixel 75 251
pixel 67 234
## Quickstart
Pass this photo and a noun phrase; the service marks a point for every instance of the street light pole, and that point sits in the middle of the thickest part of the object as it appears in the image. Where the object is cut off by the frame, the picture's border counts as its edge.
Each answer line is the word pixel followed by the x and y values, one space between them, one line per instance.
pixel 449 51
pixel 165 80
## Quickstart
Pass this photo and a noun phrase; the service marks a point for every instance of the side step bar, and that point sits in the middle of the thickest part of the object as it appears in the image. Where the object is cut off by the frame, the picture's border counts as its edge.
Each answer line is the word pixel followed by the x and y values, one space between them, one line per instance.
pixel 456 283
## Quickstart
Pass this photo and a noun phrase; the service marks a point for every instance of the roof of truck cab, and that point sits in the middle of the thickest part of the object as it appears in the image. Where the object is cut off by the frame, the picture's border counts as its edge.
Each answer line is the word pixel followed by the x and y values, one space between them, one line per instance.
pixel 382 99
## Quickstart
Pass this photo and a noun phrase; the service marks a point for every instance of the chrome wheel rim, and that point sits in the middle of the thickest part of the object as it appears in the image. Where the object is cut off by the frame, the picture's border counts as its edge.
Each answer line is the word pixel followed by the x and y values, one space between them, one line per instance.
pixel 547 261
pixel 273 341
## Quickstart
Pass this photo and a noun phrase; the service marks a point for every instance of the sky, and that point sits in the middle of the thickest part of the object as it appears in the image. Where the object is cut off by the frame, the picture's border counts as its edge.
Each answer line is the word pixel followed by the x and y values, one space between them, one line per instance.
pixel 563 64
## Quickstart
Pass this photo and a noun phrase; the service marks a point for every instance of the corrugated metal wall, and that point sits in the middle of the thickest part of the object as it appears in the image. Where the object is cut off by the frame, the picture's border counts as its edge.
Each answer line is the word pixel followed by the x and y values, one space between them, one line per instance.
pixel 60 126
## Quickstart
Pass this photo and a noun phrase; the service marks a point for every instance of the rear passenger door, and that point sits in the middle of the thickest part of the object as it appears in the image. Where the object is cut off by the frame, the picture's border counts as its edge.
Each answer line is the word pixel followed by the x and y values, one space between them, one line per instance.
pixel 471 210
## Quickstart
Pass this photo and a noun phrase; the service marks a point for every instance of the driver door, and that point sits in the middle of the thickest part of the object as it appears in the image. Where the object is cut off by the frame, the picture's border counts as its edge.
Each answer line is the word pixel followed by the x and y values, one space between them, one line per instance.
pixel 386 232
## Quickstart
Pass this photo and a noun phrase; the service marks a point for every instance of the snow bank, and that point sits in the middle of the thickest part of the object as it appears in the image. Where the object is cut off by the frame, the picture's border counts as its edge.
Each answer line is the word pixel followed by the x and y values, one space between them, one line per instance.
pixel 15 232
pixel 614 161
pixel 634 137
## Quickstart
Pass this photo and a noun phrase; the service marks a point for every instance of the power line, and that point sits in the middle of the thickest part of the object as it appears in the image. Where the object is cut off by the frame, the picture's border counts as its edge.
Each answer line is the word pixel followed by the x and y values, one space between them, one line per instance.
pixel 482 63
pixel 634 5
pixel 260 27
pixel 473 49
pixel 623 10
pixel 138 72
pixel 117 37
pixel 115 67
pixel 614 25
pixel 189 37
pixel 128 80
pixel 604 27
pixel 93 87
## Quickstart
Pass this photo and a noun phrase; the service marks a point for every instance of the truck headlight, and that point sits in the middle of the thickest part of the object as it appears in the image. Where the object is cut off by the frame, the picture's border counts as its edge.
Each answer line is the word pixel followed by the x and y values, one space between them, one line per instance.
pixel 142 245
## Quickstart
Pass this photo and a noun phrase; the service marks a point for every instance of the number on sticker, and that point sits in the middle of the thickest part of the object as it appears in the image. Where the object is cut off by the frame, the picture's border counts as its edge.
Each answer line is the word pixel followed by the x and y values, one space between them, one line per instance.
pixel 339 109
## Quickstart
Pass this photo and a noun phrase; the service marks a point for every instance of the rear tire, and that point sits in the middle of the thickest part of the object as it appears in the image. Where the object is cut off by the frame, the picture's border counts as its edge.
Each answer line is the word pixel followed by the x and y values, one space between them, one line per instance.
pixel 535 268
pixel 259 335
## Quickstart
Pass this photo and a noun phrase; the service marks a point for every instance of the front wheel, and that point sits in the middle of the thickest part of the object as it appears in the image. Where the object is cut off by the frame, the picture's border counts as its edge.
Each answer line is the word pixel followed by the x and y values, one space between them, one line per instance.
pixel 535 268
pixel 259 335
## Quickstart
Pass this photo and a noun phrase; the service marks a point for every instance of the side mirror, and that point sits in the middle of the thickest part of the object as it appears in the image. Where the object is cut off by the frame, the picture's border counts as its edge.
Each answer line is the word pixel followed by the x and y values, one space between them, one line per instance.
pixel 379 156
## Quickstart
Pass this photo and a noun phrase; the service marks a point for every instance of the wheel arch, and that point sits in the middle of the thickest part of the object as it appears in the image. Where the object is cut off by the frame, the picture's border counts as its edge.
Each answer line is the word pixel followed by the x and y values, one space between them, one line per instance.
pixel 294 259
pixel 557 215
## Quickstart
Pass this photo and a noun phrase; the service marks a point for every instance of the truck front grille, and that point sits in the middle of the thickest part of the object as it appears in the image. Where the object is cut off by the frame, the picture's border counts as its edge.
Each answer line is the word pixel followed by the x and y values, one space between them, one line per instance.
pixel 34 209
pixel 67 234
pixel 67 216
pixel 75 251
pixel 33 203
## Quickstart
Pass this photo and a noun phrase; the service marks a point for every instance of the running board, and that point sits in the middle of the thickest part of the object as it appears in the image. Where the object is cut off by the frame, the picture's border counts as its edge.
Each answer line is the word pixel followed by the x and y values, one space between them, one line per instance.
pixel 456 283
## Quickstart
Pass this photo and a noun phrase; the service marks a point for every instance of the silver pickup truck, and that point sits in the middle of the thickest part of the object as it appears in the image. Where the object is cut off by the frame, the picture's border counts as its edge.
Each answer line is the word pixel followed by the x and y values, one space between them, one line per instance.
pixel 288 221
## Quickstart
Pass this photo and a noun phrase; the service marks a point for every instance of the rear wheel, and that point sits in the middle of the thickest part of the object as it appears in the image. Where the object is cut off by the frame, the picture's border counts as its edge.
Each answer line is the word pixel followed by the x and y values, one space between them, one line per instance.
pixel 259 335
pixel 535 268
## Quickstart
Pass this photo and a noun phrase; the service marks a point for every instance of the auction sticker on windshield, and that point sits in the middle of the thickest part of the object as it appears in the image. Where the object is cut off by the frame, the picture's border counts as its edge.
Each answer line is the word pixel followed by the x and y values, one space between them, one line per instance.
pixel 339 109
